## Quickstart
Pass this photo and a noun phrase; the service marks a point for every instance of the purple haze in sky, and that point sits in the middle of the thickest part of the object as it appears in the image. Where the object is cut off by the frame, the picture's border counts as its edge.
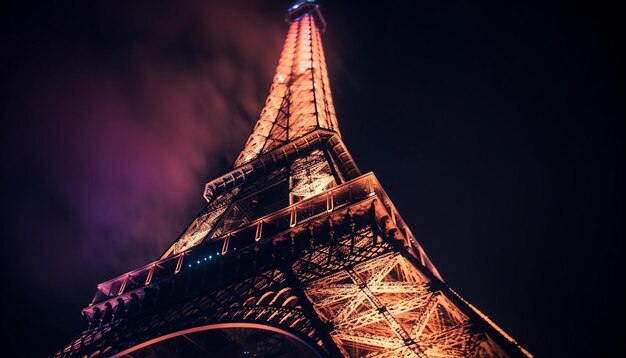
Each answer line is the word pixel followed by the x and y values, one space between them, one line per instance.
pixel 124 130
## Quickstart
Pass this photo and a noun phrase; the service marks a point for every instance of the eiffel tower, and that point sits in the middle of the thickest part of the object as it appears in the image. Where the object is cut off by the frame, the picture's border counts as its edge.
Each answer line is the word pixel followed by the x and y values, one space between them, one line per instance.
pixel 297 253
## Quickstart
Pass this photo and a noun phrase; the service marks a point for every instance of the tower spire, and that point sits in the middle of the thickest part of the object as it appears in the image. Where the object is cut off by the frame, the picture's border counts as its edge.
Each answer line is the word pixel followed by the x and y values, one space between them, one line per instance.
pixel 300 99
pixel 302 7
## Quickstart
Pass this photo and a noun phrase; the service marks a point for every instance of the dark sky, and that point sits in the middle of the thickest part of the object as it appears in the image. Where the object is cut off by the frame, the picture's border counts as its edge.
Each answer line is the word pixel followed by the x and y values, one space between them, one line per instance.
pixel 495 128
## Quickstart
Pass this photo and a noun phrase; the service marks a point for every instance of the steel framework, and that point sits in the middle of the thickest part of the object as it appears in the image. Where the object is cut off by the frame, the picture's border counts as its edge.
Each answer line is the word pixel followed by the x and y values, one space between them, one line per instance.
pixel 295 242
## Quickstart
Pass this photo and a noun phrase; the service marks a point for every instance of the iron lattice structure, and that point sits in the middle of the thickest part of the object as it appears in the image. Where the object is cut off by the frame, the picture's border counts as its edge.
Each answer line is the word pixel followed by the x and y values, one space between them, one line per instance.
pixel 296 252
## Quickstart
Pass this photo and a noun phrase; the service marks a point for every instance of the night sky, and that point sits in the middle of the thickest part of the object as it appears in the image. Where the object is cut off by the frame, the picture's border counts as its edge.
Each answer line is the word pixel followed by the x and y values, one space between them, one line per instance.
pixel 495 128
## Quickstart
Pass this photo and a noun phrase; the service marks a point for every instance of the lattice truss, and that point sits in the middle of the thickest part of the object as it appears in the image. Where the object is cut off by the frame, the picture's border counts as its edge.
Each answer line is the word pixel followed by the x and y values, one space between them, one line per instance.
pixel 311 175
pixel 300 98
pixel 225 212
pixel 248 205
pixel 385 308
pixel 202 224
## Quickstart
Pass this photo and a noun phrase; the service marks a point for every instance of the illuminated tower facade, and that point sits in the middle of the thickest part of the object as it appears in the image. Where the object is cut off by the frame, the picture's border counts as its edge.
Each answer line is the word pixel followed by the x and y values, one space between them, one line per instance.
pixel 297 253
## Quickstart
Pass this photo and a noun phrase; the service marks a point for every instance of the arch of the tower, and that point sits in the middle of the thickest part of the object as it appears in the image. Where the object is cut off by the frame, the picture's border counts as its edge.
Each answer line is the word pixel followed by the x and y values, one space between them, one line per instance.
pixel 262 313
pixel 234 339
